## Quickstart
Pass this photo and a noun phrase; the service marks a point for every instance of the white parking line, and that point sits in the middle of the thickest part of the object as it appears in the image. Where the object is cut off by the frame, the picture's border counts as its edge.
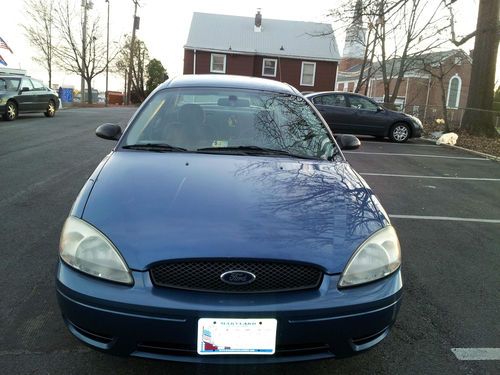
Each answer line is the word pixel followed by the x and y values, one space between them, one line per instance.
pixel 399 144
pixel 445 218
pixel 477 354
pixel 414 155
pixel 431 177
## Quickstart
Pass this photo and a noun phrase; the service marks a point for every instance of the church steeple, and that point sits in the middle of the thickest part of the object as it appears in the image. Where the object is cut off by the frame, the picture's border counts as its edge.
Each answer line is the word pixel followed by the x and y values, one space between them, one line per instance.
pixel 354 46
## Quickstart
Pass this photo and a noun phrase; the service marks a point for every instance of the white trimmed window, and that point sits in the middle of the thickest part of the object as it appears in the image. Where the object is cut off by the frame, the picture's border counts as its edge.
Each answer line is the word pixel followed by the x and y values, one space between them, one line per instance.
pixel 307 73
pixel 269 67
pixel 217 63
pixel 454 87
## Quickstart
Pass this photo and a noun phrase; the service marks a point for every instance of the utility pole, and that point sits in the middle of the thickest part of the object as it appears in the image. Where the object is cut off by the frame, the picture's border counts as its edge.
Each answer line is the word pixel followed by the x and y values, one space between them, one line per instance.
pixel 132 46
pixel 107 60
pixel 84 48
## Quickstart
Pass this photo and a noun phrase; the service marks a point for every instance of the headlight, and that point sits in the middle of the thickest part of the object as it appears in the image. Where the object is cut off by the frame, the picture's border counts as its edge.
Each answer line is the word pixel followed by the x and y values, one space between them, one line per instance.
pixel 88 250
pixel 416 120
pixel 377 257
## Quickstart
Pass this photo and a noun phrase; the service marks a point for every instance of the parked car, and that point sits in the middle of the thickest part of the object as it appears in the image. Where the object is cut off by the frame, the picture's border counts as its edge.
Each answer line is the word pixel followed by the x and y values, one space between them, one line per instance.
pixel 227 227
pixel 357 114
pixel 22 94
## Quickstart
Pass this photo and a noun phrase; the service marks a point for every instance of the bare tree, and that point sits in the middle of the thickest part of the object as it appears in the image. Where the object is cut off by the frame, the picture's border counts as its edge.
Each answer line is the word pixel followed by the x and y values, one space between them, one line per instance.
pixel 69 54
pixel 39 31
pixel 477 118
pixel 400 30
pixel 138 79
pixel 413 27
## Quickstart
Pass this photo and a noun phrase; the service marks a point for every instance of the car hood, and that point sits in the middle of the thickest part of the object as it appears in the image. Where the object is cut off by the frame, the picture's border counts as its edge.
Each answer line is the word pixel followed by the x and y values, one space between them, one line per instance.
pixel 161 206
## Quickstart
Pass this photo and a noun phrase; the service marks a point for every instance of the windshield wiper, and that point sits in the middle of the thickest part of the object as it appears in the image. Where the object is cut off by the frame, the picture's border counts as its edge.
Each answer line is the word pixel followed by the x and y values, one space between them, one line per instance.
pixel 156 147
pixel 253 150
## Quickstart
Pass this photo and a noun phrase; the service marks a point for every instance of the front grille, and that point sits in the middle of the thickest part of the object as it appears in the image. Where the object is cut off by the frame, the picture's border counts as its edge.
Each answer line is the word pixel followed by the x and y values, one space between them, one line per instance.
pixel 206 276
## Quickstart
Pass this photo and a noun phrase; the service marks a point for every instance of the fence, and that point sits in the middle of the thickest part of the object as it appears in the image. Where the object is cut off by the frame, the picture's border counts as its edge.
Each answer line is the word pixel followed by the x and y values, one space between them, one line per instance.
pixel 429 114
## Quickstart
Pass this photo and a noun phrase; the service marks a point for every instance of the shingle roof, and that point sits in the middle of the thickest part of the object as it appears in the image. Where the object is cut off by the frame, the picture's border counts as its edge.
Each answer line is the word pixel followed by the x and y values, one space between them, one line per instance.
pixel 415 64
pixel 299 39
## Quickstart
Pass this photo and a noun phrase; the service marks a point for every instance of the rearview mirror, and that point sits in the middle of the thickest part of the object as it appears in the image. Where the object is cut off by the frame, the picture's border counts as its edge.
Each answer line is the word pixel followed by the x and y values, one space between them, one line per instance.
pixel 109 131
pixel 347 141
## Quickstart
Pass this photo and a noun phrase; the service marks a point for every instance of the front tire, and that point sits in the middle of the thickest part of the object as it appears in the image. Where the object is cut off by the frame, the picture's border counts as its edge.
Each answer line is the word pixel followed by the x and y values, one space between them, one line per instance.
pixel 51 109
pixel 10 111
pixel 399 133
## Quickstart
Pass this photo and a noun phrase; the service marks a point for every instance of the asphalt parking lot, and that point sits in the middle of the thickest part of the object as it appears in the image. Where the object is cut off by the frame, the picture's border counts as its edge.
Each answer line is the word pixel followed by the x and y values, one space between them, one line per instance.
pixel 444 203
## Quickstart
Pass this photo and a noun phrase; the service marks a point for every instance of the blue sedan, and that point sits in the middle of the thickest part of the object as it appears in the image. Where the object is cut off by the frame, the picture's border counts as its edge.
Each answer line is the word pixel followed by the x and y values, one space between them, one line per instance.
pixel 227 227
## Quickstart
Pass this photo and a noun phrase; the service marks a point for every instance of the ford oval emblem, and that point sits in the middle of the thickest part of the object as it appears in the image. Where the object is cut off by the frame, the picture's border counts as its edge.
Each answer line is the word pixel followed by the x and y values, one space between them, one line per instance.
pixel 237 277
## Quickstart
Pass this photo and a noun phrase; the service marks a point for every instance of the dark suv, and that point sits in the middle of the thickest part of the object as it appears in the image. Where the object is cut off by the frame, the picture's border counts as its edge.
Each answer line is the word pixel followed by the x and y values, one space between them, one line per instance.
pixel 356 114
pixel 24 94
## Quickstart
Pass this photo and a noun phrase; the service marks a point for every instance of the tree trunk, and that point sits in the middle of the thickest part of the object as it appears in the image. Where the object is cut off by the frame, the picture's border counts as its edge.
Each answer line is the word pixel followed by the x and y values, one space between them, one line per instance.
pixel 476 119
pixel 89 91
pixel 363 65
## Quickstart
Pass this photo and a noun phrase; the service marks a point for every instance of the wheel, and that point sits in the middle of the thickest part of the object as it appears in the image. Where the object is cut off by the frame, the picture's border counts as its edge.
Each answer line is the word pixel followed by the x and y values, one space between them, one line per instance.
pixel 51 109
pixel 399 133
pixel 10 111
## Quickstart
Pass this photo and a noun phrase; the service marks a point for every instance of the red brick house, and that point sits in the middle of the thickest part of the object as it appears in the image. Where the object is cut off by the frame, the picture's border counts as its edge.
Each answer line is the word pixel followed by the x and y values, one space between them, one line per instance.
pixel 303 54
pixel 420 91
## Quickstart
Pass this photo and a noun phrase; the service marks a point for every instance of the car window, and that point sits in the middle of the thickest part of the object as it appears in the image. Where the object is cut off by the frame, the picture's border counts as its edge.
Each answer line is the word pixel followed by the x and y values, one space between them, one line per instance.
pixel 10 84
pixel 362 103
pixel 37 85
pixel 336 100
pixel 194 118
pixel 26 83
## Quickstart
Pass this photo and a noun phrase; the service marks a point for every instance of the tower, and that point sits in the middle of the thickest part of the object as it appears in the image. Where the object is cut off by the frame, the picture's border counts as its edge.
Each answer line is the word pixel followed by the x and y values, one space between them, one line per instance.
pixel 354 47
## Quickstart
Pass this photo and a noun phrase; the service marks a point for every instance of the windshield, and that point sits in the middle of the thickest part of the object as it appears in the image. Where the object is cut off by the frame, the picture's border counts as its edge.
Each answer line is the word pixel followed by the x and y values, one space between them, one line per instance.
pixel 197 119
pixel 9 84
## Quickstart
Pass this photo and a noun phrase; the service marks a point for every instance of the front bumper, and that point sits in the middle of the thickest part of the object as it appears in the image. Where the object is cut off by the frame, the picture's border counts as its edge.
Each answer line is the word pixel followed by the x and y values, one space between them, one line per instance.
pixel 416 132
pixel 150 322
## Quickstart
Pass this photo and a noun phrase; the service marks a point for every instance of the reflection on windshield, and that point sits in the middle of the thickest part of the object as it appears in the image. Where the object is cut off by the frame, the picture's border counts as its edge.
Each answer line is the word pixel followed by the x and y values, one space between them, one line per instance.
pixel 221 118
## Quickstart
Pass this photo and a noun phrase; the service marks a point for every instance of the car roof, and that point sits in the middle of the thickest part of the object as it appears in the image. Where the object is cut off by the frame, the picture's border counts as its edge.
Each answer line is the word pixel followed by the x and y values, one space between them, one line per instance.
pixel 12 76
pixel 334 92
pixel 229 81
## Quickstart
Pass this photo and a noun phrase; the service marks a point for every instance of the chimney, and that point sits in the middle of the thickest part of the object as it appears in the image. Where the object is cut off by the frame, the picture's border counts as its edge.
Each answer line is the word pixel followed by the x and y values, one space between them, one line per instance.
pixel 258 22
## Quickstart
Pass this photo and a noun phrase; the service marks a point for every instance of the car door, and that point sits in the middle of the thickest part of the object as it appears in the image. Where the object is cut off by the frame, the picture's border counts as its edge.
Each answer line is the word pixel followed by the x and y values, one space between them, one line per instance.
pixel 370 119
pixel 26 96
pixel 333 108
pixel 41 95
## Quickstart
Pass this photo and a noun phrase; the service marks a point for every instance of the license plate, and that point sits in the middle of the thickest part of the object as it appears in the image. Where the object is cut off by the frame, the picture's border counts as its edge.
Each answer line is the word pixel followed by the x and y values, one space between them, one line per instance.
pixel 236 336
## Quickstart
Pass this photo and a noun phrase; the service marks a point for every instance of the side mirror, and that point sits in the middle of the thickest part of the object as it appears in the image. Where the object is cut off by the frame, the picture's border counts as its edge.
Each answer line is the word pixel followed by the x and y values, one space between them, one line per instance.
pixel 347 141
pixel 109 131
pixel 380 108
pixel 25 89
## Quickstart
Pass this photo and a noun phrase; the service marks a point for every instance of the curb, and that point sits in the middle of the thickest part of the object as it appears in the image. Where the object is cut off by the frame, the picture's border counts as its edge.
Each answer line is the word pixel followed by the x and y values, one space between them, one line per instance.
pixel 488 156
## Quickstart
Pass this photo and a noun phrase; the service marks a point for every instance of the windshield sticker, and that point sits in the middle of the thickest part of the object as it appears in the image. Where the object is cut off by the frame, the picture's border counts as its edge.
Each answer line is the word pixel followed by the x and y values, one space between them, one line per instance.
pixel 219 143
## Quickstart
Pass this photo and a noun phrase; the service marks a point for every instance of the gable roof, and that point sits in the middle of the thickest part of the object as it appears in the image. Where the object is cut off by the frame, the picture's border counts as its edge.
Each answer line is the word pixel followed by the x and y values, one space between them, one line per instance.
pixel 217 32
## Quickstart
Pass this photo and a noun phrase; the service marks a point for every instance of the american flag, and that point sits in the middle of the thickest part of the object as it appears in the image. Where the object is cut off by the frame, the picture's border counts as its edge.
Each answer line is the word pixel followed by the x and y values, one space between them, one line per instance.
pixel 4 45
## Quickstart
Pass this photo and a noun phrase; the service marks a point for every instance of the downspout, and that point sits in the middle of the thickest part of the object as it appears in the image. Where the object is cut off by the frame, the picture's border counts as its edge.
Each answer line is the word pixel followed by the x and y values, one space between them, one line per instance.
pixel 406 93
pixel 194 62
pixel 427 100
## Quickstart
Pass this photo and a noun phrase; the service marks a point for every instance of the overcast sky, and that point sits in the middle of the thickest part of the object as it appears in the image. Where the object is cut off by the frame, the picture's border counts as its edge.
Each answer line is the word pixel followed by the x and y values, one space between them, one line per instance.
pixel 165 26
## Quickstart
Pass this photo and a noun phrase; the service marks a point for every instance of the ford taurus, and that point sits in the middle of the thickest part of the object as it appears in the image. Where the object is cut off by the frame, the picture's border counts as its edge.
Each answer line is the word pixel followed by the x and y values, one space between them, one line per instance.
pixel 227 227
